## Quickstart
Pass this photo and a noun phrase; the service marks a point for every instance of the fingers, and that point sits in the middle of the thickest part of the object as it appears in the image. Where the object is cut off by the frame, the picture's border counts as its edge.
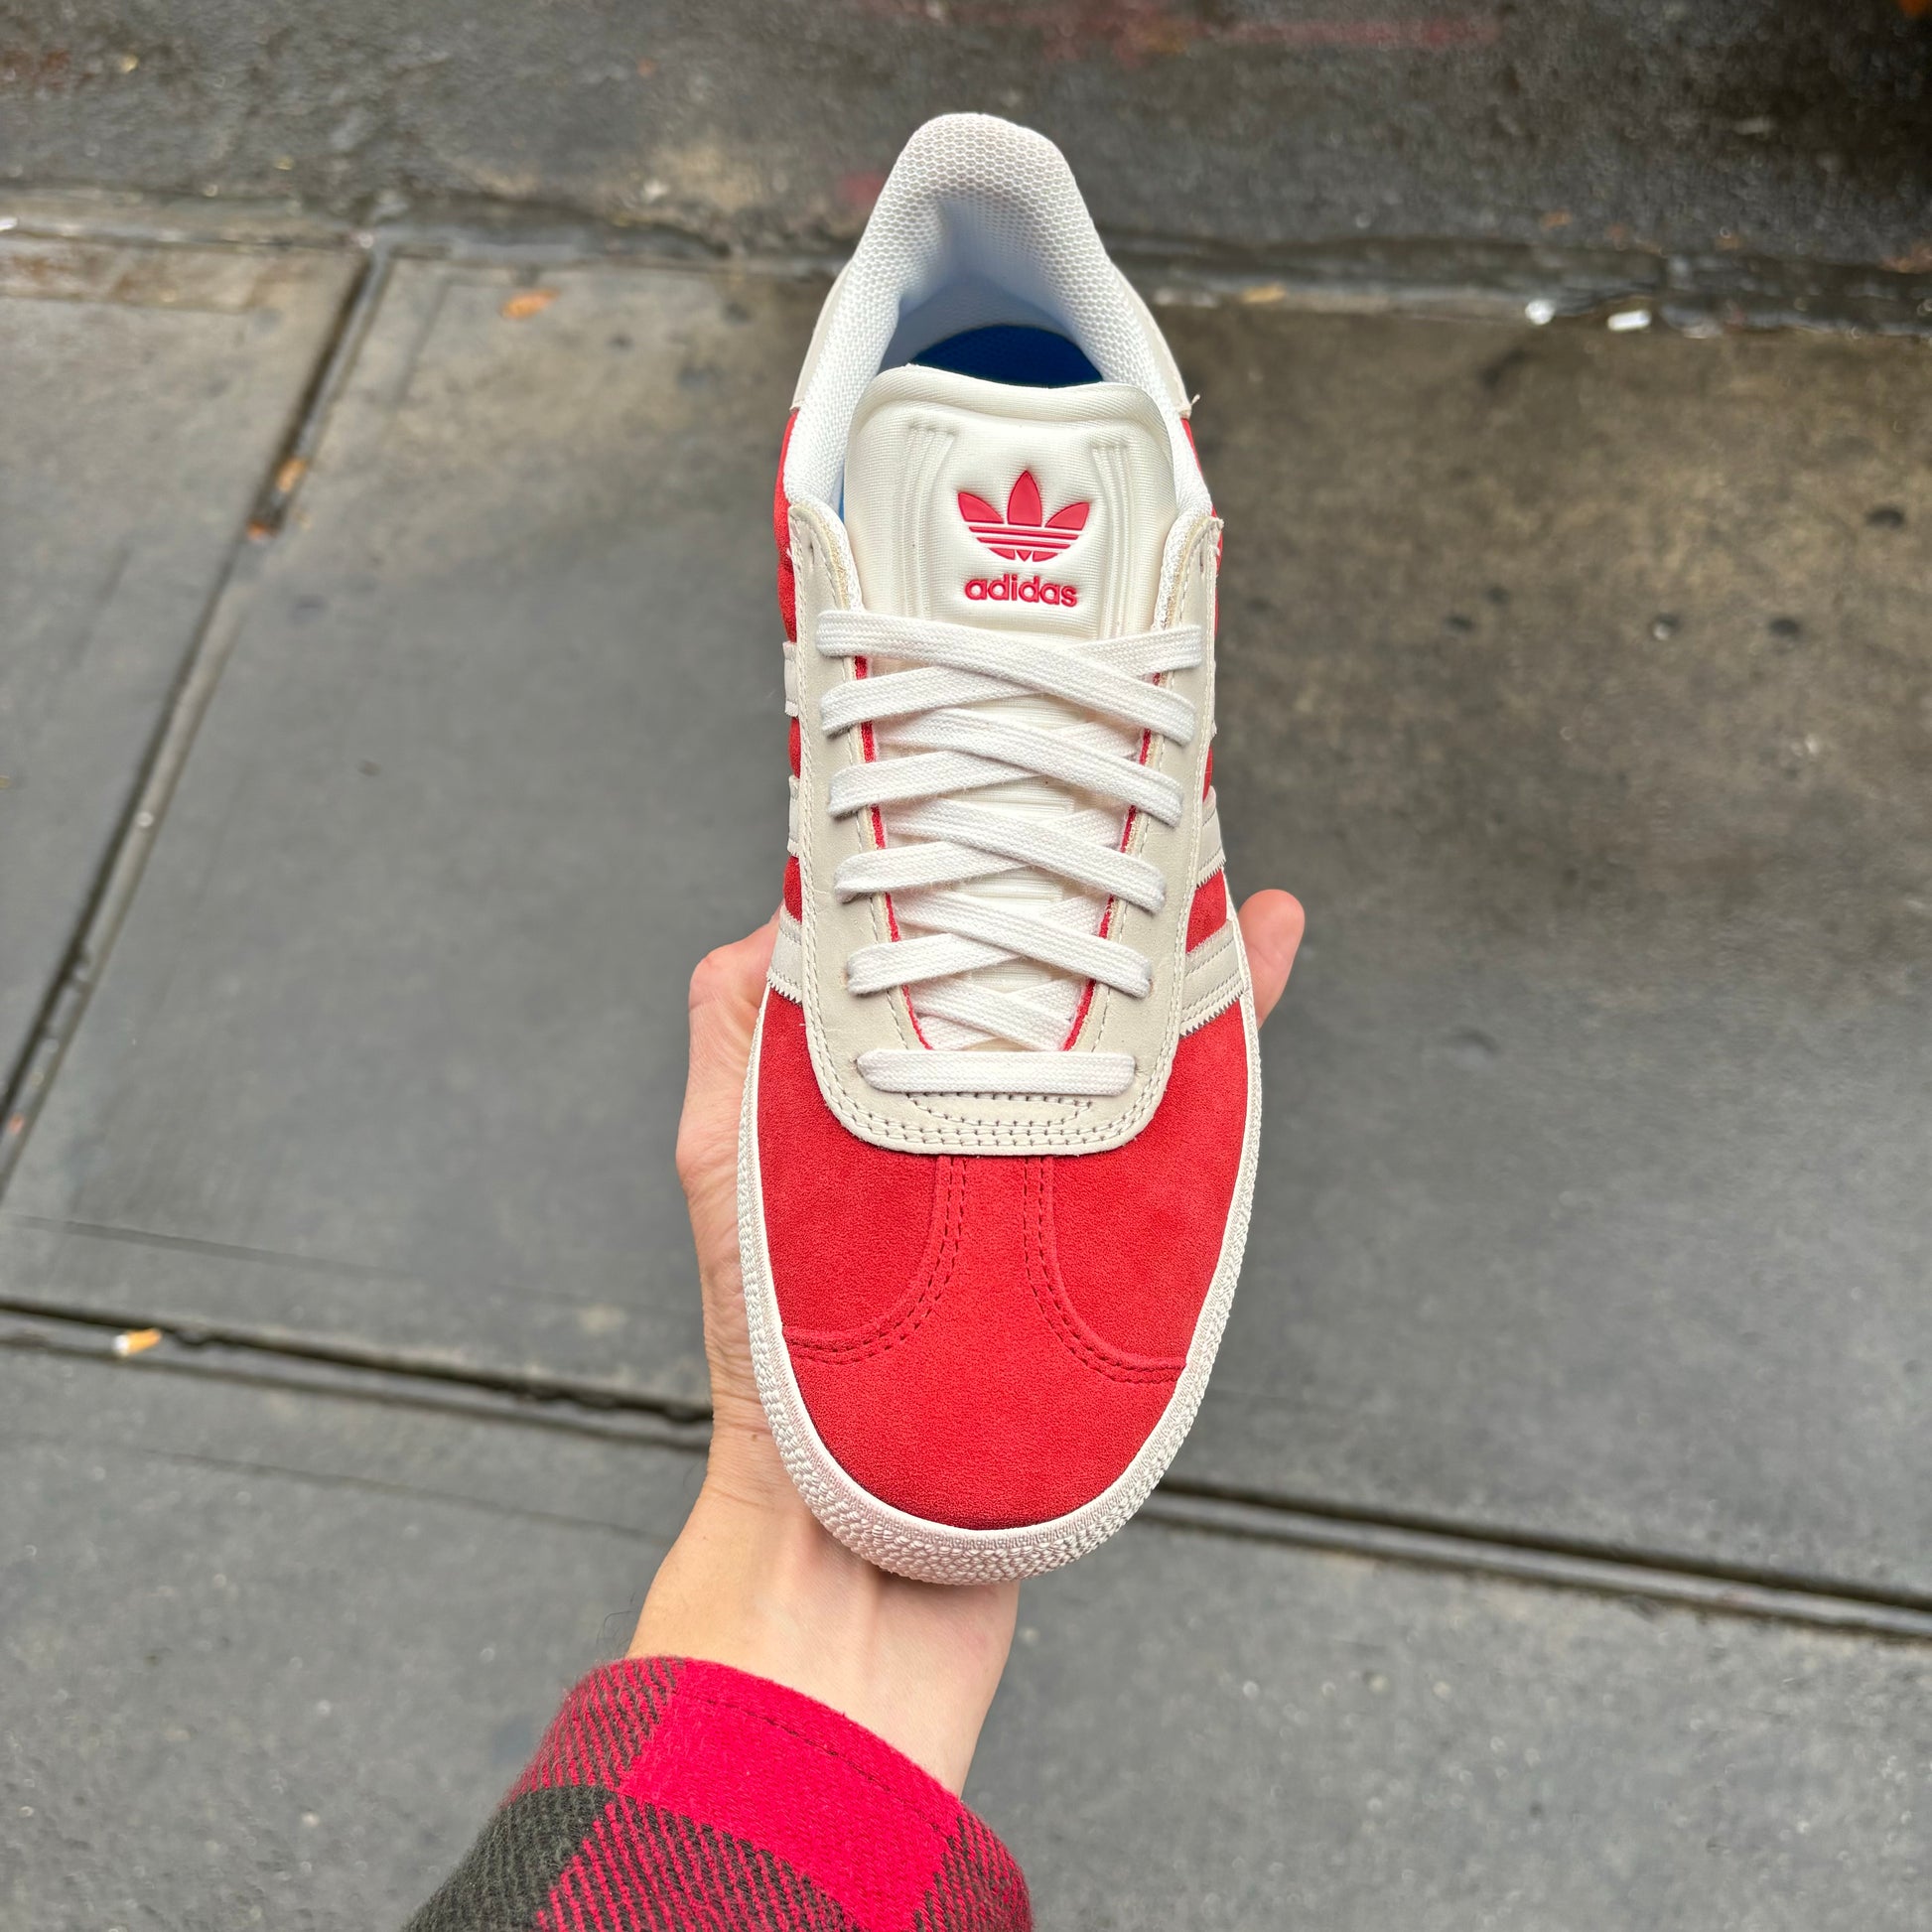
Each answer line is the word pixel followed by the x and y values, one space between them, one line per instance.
pixel 1270 928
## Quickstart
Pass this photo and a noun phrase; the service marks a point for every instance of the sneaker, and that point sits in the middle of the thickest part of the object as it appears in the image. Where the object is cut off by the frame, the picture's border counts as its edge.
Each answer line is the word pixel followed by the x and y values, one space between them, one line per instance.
pixel 1000 1128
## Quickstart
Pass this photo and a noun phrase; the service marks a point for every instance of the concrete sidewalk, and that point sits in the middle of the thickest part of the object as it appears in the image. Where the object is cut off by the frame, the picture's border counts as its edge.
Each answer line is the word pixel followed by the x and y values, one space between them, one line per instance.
pixel 1555 1548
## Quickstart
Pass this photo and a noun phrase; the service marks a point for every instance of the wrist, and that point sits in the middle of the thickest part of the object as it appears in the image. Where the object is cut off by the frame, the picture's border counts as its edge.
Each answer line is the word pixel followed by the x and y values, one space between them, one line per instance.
pixel 756 1581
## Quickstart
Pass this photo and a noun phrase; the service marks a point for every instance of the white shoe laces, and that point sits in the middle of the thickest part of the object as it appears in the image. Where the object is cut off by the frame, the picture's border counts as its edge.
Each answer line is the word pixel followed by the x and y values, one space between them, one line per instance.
pixel 934 741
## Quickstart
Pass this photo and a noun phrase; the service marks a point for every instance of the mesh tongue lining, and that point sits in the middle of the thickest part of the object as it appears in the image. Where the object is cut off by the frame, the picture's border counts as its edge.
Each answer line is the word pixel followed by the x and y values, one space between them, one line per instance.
pixel 979 222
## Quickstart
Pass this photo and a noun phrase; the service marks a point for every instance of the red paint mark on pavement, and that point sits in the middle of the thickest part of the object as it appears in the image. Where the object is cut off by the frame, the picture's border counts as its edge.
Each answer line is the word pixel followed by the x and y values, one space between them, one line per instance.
pixel 1136 29
pixel 1434 34
pixel 858 191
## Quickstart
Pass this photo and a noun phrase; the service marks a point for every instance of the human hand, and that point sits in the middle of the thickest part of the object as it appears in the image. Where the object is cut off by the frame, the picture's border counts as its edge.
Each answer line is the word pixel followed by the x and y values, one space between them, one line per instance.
pixel 753 1580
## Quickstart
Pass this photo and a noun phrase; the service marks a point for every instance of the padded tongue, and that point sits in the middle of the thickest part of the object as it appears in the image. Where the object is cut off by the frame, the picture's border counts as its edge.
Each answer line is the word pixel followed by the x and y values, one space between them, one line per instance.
pixel 1008 507
pixel 1045 511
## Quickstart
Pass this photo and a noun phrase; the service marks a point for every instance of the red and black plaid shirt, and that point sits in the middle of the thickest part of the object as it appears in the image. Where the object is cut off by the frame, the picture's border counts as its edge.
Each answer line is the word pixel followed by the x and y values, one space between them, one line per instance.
pixel 673 1794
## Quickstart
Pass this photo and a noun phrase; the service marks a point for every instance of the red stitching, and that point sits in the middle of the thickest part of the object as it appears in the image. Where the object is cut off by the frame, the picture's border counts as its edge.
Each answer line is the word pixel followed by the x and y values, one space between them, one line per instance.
pixel 837 1348
pixel 1086 1346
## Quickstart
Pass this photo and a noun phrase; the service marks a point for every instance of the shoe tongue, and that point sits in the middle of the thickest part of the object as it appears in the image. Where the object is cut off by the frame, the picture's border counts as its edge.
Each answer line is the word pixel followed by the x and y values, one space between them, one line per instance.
pixel 1011 508
pixel 1044 510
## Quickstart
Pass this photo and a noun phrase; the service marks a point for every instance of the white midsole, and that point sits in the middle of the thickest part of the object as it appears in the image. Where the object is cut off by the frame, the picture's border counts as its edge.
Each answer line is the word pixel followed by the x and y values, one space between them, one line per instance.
pixel 943 1553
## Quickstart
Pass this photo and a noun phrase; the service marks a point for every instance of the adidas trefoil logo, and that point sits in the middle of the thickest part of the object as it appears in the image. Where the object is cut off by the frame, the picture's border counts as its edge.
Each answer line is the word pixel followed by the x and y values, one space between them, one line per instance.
pixel 1026 535
pixel 1022 533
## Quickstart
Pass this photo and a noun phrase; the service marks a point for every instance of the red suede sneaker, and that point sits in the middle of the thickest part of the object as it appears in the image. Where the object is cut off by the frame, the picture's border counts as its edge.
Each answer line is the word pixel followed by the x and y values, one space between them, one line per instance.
pixel 1000 1130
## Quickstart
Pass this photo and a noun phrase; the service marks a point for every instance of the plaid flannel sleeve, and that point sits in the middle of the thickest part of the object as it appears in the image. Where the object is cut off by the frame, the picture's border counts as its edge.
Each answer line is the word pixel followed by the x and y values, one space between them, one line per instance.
pixel 671 1793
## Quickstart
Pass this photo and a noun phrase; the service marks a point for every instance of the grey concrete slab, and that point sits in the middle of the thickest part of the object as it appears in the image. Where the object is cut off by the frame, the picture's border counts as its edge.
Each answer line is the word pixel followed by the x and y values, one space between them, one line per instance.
pixel 144 393
pixel 1577 681
pixel 1201 1735
pixel 1581 685
pixel 1787 126
pixel 272 1656
pixel 393 1049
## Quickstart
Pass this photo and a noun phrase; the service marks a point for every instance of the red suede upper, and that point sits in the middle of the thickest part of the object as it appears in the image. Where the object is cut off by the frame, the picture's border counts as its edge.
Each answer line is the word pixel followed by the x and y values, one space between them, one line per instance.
pixel 987 1341
pixel 845 1222
pixel 1140 1274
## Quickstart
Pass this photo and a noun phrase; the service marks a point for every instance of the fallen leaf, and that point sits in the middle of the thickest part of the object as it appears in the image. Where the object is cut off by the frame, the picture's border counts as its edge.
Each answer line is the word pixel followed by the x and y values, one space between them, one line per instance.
pixel 528 302
pixel 137 1342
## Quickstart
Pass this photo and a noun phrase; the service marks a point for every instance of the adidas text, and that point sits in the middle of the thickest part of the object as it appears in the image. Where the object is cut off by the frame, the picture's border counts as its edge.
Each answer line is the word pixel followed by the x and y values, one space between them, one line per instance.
pixel 1014 589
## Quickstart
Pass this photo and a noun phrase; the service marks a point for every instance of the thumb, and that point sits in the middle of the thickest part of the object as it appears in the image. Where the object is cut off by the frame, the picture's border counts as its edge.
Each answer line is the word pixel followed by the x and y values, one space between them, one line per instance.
pixel 1271 929
pixel 726 990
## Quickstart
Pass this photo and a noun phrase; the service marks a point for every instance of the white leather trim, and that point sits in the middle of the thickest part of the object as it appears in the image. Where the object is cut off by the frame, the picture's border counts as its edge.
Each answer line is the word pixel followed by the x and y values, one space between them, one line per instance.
pixel 941 1553
pixel 1211 857
pixel 1214 977
pixel 784 969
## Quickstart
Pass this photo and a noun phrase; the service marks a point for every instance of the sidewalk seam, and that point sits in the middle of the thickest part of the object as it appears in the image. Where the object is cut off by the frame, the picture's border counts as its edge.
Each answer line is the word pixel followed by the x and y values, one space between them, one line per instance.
pixel 1177 1503
pixel 119 873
